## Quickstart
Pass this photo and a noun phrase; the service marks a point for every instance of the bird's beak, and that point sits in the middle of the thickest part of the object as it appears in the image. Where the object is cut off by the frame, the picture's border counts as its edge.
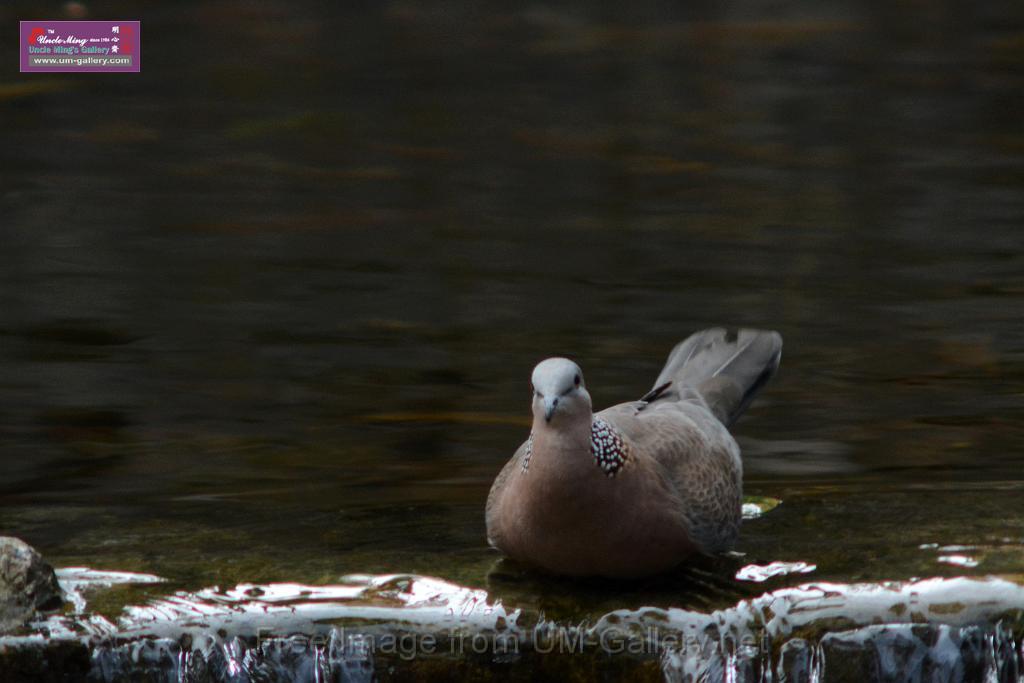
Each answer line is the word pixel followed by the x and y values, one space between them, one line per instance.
pixel 549 408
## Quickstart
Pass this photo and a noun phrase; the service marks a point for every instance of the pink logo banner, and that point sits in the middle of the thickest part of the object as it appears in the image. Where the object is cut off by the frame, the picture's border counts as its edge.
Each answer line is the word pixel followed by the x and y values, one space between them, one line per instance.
pixel 55 46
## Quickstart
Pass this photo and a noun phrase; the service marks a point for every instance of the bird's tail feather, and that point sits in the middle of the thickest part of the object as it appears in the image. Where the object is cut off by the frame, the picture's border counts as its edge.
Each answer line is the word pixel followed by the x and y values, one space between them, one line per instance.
pixel 726 367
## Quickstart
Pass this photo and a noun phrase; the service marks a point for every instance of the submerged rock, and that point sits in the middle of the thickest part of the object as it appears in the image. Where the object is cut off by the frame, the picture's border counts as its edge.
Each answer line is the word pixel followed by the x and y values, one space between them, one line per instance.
pixel 28 585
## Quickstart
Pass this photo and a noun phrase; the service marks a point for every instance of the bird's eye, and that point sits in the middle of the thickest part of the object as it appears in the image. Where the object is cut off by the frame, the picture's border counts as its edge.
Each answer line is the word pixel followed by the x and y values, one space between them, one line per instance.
pixel 576 379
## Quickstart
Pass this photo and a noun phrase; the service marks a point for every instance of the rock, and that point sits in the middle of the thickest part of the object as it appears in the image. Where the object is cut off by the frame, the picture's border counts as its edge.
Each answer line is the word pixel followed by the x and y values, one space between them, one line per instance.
pixel 27 584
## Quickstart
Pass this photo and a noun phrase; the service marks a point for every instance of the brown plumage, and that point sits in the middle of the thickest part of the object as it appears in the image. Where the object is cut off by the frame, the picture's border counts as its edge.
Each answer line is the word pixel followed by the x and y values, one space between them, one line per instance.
pixel 639 487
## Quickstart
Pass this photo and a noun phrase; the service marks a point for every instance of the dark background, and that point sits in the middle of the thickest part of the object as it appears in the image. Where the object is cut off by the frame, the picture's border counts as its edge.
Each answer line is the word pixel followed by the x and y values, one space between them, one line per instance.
pixel 268 309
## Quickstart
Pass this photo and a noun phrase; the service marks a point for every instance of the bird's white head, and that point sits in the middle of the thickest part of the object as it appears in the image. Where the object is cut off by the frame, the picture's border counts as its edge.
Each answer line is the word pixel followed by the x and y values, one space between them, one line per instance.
pixel 559 392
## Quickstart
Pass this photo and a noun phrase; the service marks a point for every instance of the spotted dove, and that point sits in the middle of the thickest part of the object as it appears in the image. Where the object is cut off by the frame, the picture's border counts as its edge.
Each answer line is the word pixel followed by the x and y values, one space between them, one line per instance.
pixel 640 487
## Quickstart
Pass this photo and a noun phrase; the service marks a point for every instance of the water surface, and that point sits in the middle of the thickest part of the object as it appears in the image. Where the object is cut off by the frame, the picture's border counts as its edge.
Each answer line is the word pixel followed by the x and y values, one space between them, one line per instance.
pixel 268 312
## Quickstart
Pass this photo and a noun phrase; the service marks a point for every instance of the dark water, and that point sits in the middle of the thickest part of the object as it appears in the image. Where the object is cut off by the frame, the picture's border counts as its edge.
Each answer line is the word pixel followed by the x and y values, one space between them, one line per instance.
pixel 268 309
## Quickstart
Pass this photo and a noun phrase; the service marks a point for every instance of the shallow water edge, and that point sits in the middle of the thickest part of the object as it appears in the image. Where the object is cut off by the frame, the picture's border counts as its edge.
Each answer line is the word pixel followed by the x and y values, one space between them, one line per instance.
pixel 395 627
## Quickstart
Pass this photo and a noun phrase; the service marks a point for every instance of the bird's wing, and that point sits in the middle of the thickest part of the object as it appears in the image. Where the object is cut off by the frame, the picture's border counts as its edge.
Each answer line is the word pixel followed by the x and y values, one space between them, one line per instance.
pixel 692 450
pixel 498 489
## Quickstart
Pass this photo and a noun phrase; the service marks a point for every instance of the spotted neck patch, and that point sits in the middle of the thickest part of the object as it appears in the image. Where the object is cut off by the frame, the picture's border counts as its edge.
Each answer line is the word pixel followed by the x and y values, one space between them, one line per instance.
pixel 607 447
pixel 528 452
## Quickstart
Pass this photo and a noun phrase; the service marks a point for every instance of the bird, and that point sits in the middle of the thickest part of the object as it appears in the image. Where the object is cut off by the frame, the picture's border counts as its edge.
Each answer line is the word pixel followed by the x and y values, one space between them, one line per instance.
pixel 643 486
